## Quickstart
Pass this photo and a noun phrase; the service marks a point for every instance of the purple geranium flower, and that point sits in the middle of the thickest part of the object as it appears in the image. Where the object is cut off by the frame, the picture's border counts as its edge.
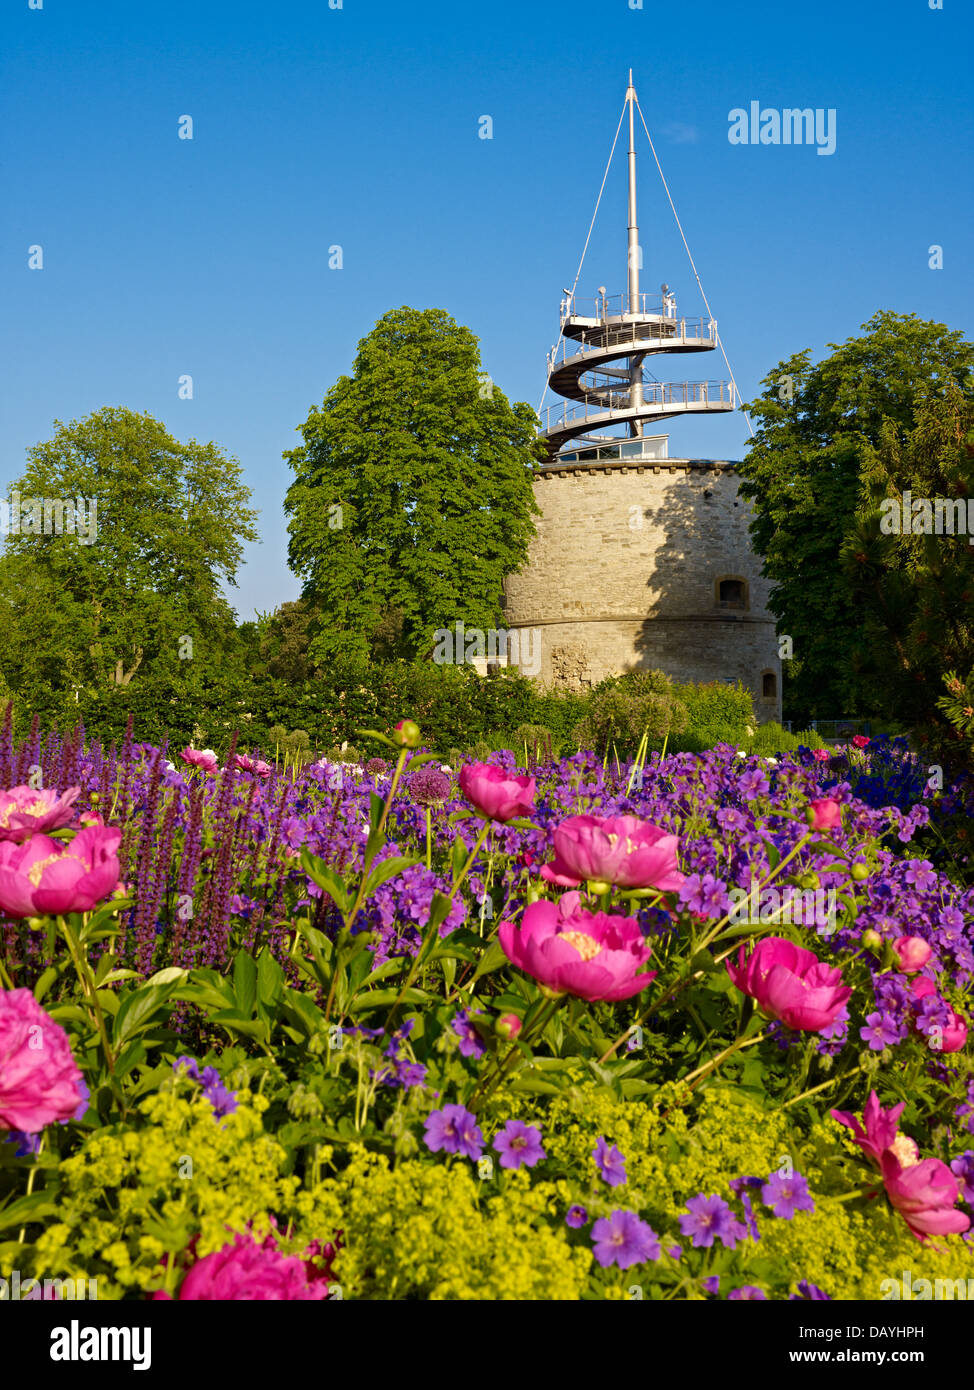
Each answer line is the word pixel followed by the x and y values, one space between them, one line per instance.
pixel 610 1163
pixel 808 1293
pixel 576 1216
pixel 622 1239
pixel 710 1218
pixel 518 1144
pixel 785 1196
pixel 471 1043
pixel 882 1031
pixel 747 1291
pixel 454 1130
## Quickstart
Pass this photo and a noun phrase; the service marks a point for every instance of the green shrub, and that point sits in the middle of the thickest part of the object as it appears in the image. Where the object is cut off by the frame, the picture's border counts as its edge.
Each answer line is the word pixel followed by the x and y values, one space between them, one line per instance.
pixel 617 719
pixel 771 738
pixel 810 738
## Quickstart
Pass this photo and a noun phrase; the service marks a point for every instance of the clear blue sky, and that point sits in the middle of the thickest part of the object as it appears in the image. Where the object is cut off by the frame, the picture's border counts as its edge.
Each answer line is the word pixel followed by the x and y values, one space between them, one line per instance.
pixel 359 127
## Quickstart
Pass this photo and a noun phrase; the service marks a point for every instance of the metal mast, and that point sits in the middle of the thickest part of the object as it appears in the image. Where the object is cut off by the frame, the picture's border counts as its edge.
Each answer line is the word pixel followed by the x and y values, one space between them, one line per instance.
pixel 635 363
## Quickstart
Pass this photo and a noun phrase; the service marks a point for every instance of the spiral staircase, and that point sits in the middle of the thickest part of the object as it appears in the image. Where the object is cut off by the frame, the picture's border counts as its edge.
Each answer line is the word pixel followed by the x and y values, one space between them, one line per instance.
pixel 599 367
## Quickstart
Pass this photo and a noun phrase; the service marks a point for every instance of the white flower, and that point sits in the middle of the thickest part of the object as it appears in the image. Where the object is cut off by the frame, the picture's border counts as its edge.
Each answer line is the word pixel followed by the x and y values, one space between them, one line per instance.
pixel 772 762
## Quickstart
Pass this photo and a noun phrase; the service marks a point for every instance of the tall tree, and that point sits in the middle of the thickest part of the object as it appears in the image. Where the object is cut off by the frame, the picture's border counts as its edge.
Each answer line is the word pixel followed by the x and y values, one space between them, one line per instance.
pixel 413 492
pixel 119 540
pixel 802 476
pixel 909 562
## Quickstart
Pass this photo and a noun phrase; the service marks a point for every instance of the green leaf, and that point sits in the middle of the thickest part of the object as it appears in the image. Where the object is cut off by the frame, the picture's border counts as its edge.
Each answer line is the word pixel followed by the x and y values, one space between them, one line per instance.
pixel 328 878
pixel 458 856
pixel 245 983
pixel 388 869
pixel 34 1207
pixel 492 959
pixel 44 983
pixel 137 1011
pixel 382 998
pixel 270 979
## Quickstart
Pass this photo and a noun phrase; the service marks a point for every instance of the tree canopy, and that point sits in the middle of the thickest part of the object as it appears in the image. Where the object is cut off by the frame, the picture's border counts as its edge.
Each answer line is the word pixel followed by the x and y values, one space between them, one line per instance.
pixel 803 476
pixel 413 495
pixel 132 589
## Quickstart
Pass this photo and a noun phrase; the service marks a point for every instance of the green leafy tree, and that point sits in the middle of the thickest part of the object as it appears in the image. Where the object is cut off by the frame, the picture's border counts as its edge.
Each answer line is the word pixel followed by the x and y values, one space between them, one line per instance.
pixel 912 588
pixel 413 492
pixel 803 478
pixel 133 591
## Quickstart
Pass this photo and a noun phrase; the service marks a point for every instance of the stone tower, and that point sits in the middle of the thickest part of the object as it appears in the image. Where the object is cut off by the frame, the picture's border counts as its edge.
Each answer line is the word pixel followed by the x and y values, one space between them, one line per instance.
pixel 640 560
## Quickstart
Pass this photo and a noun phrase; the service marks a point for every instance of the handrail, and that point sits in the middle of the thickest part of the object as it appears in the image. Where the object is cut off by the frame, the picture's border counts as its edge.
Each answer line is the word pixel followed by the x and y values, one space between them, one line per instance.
pixel 655 393
pixel 696 330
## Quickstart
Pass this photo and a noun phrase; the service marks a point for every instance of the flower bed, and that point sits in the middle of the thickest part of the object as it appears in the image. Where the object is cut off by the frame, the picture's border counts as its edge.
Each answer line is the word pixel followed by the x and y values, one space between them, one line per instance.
pixel 693 1029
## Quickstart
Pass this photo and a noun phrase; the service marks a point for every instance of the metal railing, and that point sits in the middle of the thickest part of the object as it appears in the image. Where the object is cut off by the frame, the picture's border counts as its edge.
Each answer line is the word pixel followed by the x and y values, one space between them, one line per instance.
pixel 603 306
pixel 629 335
pixel 688 394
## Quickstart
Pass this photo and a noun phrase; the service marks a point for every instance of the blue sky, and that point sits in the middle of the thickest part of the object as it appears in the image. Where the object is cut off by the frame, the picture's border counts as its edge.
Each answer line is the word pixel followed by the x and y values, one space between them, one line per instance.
pixel 359 127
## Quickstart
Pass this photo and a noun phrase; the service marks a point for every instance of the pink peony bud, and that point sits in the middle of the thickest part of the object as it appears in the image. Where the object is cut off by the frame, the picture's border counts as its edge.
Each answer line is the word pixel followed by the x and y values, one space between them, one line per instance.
pixel 407 734
pixel 911 953
pixel 496 794
pixel 822 815
pixel 508 1026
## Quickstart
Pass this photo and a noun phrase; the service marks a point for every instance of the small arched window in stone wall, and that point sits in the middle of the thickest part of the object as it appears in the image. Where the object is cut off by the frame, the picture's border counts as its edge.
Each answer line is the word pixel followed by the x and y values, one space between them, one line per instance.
pixel 731 592
pixel 769 686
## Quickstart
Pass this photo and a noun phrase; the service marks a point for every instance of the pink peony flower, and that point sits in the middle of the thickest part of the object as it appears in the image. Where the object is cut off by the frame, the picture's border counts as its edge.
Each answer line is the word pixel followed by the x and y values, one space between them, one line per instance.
pixel 46 876
pixel 204 758
pixel 821 755
pixel 860 741
pixel 877 1132
pixel 790 983
pixel 592 955
pixel 623 850
pixel 255 765
pixel 39 1078
pixel 924 1193
pixel 822 815
pixel 494 793
pixel 249 1271
pixel 912 953
pixel 24 811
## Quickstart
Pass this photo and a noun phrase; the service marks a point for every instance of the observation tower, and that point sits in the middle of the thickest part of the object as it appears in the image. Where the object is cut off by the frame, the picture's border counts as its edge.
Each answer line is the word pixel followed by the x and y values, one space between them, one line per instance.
pixel 641 560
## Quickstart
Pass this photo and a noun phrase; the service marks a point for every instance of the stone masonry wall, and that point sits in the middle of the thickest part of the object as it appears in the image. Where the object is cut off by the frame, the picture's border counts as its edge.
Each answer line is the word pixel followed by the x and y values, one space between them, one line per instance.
pixel 624 573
